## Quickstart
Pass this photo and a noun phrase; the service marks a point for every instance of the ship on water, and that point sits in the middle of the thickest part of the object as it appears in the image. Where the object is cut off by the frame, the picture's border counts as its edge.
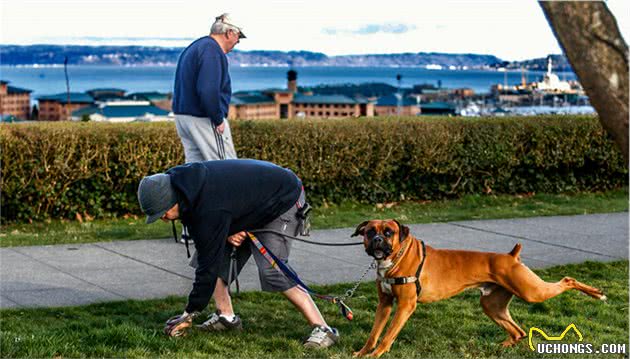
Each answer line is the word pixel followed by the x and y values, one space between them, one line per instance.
pixel 550 84
pixel 549 95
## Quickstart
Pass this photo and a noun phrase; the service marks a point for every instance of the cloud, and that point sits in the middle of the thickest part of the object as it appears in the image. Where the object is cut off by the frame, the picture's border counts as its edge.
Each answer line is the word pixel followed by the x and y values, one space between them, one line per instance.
pixel 386 28
pixel 371 29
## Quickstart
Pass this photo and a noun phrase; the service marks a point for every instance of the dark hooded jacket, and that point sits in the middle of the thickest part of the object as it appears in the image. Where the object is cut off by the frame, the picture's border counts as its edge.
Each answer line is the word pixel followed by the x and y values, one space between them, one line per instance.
pixel 220 198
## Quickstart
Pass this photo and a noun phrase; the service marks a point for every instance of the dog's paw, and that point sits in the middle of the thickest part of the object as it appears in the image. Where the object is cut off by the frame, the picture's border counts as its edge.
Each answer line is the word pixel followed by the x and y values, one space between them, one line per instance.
pixel 510 342
pixel 375 355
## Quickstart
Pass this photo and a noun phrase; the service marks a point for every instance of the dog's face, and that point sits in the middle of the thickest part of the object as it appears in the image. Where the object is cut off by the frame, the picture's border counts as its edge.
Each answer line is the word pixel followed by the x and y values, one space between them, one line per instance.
pixel 381 238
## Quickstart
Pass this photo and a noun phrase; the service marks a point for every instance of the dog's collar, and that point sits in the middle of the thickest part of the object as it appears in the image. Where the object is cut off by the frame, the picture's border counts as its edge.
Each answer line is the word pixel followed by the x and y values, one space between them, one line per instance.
pixel 385 264
pixel 388 263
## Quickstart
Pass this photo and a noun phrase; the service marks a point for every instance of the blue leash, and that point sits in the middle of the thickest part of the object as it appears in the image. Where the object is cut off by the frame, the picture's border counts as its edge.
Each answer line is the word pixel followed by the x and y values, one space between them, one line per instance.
pixel 284 269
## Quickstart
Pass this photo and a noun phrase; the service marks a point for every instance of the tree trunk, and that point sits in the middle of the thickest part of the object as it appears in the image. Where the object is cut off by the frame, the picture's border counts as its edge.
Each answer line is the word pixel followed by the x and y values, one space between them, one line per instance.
pixel 592 42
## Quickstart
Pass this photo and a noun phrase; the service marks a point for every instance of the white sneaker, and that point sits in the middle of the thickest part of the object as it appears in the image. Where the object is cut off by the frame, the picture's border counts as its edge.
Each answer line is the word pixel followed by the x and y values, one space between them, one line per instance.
pixel 218 323
pixel 322 337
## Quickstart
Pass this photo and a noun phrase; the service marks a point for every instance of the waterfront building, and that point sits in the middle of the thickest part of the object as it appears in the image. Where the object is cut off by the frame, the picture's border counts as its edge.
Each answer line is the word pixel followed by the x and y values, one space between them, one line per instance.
pixel 158 99
pixel 15 102
pixel 108 93
pixel 59 107
pixel 331 106
pixel 388 106
pixel 463 93
pixel 437 108
pixel 122 111
pixel 285 104
pixel 290 103
pixel 254 105
pixel 430 93
pixel 106 104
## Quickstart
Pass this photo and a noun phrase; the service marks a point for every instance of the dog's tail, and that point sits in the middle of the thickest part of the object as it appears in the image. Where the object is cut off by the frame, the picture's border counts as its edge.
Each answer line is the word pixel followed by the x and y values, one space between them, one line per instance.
pixel 516 251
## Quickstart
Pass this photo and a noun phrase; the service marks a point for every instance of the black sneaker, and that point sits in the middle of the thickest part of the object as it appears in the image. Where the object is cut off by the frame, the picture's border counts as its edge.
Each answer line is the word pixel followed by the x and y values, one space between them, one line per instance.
pixel 217 323
pixel 322 337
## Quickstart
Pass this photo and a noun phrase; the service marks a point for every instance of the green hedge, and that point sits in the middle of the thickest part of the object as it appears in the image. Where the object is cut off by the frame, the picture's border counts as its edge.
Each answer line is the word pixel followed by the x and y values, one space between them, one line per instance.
pixel 55 170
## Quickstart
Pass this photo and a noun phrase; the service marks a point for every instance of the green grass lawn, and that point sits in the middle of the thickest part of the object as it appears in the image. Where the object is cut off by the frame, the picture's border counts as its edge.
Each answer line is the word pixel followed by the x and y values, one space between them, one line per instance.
pixel 338 216
pixel 454 328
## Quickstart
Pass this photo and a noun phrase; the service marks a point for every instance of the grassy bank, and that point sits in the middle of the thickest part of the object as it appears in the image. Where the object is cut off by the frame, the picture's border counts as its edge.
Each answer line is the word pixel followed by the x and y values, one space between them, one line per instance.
pixel 454 328
pixel 345 215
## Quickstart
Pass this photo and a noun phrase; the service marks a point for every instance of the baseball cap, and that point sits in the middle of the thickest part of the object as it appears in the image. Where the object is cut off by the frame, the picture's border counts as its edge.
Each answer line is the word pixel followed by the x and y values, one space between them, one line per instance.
pixel 156 196
pixel 229 20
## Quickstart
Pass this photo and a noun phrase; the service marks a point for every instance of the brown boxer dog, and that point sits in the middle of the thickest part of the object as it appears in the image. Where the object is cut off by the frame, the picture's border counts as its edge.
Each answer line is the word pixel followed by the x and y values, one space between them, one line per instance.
pixel 443 273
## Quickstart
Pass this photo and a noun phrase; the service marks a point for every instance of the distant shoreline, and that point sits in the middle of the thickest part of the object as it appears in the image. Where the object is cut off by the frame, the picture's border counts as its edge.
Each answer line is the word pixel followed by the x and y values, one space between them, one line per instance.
pixel 55 55
pixel 489 69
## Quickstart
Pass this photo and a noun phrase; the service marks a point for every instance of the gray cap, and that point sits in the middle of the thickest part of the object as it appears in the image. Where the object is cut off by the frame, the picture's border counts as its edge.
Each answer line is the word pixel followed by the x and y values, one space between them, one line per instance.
pixel 156 196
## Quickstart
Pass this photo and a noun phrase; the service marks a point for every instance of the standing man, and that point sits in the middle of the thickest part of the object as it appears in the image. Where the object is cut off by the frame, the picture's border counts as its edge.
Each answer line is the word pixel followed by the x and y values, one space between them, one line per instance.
pixel 201 97
pixel 216 200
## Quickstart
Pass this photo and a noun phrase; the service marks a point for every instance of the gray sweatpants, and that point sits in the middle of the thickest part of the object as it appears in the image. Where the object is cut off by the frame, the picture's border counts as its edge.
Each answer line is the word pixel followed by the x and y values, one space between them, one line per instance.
pixel 199 141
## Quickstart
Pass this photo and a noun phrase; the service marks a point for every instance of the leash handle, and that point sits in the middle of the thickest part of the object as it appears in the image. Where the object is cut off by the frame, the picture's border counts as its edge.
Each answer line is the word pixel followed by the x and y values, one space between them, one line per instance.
pixel 219 139
pixel 345 309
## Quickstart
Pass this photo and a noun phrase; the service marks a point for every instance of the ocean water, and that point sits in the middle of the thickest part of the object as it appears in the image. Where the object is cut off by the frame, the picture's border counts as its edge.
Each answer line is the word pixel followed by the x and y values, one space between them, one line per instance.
pixel 51 80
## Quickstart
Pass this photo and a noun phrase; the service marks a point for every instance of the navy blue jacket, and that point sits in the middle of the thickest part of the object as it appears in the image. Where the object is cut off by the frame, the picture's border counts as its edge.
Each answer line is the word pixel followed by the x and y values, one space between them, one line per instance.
pixel 202 82
pixel 219 198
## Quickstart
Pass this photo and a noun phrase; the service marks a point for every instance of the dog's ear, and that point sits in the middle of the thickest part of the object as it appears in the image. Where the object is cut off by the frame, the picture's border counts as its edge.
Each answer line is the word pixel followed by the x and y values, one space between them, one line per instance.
pixel 403 231
pixel 360 229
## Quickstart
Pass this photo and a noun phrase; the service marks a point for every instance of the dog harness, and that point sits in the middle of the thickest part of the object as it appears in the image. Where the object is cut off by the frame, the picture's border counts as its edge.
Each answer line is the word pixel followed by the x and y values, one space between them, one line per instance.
pixel 388 281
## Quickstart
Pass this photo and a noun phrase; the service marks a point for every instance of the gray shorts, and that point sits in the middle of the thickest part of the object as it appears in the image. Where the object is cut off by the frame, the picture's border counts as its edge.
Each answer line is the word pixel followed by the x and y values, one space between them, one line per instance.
pixel 271 280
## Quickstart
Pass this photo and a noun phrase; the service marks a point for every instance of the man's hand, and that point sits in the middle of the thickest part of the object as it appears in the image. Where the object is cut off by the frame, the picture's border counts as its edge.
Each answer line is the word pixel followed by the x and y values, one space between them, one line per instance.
pixel 221 128
pixel 178 325
pixel 237 239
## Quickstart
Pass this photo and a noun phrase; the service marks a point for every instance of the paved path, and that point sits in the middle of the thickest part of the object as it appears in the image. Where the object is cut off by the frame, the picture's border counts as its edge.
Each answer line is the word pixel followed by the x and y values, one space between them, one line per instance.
pixel 63 275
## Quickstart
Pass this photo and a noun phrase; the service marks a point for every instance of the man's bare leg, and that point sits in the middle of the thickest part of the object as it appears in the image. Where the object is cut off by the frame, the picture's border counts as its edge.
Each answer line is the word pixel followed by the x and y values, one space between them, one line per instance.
pixel 222 298
pixel 304 303
pixel 300 299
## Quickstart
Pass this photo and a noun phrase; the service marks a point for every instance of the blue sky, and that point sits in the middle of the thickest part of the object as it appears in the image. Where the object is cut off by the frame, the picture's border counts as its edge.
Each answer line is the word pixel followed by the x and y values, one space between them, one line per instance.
pixel 509 29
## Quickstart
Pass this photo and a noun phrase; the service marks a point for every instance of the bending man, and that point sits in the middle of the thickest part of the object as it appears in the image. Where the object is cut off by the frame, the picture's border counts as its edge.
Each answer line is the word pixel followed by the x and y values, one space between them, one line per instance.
pixel 216 200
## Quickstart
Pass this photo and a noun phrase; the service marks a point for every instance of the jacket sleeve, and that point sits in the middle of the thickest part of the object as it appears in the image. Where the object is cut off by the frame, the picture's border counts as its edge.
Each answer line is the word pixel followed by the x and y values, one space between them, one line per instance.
pixel 209 80
pixel 210 245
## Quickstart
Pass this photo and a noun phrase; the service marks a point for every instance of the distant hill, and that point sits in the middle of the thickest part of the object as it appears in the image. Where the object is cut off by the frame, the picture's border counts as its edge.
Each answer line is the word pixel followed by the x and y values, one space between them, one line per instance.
pixel 151 55
pixel 87 55
pixel 559 63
